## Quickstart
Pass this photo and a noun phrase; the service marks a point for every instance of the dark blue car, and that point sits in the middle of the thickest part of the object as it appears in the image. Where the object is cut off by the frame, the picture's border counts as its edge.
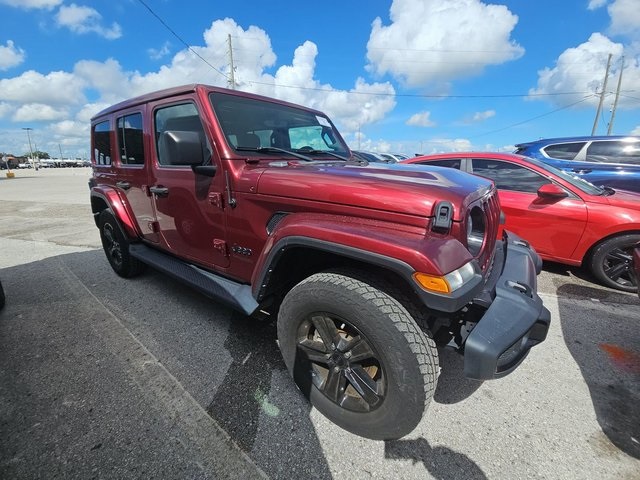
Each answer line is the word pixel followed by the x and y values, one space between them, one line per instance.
pixel 612 161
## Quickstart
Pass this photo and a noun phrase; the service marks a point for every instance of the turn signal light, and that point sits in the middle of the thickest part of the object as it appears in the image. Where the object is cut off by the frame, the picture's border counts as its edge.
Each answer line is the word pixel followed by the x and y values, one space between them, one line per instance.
pixel 432 283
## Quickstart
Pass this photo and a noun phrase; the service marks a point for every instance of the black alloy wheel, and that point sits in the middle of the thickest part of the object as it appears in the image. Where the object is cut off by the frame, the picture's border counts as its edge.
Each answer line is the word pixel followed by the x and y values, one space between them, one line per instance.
pixel 112 247
pixel 116 246
pixel 342 363
pixel 612 262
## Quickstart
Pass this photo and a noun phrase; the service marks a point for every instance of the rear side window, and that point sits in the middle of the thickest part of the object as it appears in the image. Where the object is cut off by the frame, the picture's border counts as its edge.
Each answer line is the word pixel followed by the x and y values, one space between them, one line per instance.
pixel 564 151
pixel 508 176
pixel 614 152
pixel 102 143
pixel 130 139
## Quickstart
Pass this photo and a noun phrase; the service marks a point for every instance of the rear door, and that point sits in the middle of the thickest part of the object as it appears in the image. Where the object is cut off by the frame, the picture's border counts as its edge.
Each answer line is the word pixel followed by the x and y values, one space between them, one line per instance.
pixel 188 207
pixel 133 177
pixel 553 226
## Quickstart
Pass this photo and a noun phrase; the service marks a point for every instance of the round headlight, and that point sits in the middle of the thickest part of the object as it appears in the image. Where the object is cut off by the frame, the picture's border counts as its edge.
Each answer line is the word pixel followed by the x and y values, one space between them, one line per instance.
pixel 476 230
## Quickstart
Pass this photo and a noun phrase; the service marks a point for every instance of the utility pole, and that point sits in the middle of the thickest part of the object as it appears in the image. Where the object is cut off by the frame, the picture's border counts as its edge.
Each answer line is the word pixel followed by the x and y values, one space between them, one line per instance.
pixel 615 102
pixel 604 89
pixel 28 129
pixel 231 82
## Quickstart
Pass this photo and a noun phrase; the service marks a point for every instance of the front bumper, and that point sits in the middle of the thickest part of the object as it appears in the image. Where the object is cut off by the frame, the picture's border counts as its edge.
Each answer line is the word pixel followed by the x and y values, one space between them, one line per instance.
pixel 515 319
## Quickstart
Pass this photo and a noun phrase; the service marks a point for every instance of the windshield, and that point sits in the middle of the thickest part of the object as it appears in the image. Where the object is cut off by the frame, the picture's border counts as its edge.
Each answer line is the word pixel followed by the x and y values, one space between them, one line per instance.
pixel 577 182
pixel 250 124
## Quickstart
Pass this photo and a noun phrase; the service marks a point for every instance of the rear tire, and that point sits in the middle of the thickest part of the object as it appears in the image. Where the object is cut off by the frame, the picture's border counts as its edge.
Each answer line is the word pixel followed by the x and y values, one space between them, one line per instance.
pixel 357 355
pixel 612 262
pixel 116 246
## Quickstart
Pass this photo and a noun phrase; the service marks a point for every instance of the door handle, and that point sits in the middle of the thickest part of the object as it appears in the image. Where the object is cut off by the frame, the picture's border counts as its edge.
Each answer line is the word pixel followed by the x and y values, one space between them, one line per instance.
pixel 123 185
pixel 581 170
pixel 159 191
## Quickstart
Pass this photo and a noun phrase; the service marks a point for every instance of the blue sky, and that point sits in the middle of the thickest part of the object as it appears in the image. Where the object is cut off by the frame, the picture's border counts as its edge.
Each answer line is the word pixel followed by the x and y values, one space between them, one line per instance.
pixel 401 76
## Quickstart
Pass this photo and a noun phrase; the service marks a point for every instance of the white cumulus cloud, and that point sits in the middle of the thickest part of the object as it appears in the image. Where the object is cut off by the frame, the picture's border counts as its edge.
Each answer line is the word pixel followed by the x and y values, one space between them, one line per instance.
pixel 481 116
pixel 421 119
pixel 81 19
pixel 32 112
pixel 625 17
pixel 32 4
pixel 431 41
pixel 438 145
pixel 595 4
pixel 55 88
pixel 581 69
pixel 158 53
pixel 10 55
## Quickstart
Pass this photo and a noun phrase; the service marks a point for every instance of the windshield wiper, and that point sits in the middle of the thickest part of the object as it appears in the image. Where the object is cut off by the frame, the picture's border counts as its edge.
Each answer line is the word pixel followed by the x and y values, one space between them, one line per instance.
pixel 607 190
pixel 325 152
pixel 275 150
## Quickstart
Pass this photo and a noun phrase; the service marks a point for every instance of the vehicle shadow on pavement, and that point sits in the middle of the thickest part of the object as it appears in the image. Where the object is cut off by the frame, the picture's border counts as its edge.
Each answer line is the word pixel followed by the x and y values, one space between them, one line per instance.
pixel 226 361
pixel 453 386
pixel 440 462
pixel 243 395
pixel 579 274
pixel 606 347
pixel 244 398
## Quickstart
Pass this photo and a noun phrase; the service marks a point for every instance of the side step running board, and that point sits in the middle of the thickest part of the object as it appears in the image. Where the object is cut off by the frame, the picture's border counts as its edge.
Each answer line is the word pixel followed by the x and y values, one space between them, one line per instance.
pixel 235 295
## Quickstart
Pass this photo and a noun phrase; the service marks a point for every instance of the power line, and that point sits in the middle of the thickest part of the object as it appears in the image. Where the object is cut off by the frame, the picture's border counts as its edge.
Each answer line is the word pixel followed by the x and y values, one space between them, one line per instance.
pixel 180 39
pixel 419 95
pixel 330 90
pixel 379 94
pixel 535 118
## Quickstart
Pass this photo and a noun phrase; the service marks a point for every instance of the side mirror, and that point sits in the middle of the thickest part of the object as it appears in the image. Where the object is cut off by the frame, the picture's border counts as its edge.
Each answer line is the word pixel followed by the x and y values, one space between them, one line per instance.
pixel 181 148
pixel 551 190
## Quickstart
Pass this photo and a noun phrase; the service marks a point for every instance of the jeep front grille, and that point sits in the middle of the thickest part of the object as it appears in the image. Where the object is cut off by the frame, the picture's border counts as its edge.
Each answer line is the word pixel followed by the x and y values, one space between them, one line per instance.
pixel 491 208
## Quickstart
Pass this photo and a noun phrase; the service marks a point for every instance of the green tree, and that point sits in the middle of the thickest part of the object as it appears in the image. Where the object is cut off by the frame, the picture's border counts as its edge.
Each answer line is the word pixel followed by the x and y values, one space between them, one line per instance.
pixel 38 154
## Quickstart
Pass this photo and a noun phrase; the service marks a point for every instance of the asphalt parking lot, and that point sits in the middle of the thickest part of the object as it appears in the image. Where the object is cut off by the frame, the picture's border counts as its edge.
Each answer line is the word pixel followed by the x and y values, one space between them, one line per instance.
pixel 102 377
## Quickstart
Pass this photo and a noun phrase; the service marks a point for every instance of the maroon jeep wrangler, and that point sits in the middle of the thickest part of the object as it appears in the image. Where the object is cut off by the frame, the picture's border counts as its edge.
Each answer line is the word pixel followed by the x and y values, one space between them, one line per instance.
pixel 260 204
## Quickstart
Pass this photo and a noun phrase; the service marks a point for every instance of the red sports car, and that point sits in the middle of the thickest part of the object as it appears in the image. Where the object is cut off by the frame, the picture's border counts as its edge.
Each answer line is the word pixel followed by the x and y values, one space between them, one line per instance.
pixel 566 219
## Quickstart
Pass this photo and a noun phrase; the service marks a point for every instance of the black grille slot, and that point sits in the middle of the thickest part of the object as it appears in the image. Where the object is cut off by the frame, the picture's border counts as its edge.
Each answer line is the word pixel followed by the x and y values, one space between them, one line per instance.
pixel 491 209
pixel 274 221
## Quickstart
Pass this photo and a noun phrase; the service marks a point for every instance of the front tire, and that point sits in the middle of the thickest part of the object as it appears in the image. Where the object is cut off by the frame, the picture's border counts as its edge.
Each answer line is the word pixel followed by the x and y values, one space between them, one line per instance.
pixel 116 247
pixel 612 262
pixel 358 355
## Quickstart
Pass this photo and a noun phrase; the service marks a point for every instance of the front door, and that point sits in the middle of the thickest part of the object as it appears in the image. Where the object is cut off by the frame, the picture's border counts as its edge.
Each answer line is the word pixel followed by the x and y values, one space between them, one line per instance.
pixel 188 207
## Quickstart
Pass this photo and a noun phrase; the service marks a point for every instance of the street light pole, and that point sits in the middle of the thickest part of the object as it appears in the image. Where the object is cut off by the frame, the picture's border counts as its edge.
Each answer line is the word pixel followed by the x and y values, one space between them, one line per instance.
pixel 28 129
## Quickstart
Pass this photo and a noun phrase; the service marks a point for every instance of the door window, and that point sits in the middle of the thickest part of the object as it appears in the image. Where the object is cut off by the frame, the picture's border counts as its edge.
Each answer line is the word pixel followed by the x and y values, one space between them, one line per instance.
pixel 182 118
pixel 612 151
pixel 130 139
pixel 509 176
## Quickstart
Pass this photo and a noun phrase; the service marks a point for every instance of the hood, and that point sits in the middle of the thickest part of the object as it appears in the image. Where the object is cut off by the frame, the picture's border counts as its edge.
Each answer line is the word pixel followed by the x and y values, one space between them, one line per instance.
pixel 407 189
pixel 624 199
